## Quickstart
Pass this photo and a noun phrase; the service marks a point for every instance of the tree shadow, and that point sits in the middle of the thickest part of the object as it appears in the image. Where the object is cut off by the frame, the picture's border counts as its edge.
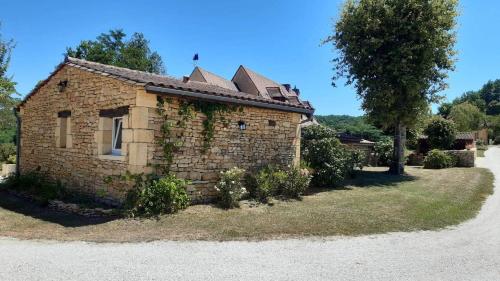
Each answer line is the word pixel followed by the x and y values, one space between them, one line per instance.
pixel 367 179
pixel 36 211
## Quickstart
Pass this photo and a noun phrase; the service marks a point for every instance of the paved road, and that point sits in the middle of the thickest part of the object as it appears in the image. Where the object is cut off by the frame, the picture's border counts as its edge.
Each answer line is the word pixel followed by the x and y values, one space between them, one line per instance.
pixel 470 251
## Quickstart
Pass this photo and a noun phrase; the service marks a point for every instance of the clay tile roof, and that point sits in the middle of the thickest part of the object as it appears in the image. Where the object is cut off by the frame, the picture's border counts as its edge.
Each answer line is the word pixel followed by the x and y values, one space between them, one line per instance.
pixel 464 136
pixel 167 82
pixel 217 80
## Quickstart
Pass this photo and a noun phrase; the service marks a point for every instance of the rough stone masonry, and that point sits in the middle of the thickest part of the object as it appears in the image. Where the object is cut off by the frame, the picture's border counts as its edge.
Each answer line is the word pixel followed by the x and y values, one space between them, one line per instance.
pixel 65 134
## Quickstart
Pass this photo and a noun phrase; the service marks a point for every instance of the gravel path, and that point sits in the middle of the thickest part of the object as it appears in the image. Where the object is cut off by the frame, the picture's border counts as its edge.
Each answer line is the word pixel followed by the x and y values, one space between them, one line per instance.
pixel 470 251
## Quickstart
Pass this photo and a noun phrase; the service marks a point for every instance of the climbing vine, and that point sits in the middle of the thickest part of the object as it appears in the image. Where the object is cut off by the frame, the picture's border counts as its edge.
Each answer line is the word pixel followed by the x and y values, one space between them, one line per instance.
pixel 187 111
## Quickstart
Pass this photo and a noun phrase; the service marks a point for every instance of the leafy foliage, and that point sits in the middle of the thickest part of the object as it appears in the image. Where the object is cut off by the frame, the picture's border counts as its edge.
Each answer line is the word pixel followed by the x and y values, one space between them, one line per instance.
pixel 441 133
pixel 330 160
pixel 230 187
pixel 383 151
pixel 7 92
pixel 467 117
pixel 397 54
pixel 271 181
pixel 112 49
pixel 357 126
pixel 153 197
pixel 437 159
pixel 37 184
pixel 6 150
pixel 487 99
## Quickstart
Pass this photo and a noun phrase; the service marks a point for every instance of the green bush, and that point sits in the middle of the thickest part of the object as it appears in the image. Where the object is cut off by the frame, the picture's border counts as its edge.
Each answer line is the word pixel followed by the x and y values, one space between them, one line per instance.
pixel 296 183
pixel 6 150
pixel 37 184
pixel 441 133
pixel 265 183
pixel 331 161
pixel 11 159
pixel 316 132
pixel 230 187
pixel 383 151
pixel 158 196
pixel 437 159
pixel 497 140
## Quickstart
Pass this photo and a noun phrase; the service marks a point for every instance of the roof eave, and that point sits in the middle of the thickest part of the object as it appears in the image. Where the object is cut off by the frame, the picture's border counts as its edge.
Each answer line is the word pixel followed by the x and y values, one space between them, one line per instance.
pixel 224 99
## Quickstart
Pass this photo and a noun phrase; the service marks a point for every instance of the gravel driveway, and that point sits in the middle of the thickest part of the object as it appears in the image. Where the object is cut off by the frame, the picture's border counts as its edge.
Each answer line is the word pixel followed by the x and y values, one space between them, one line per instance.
pixel 470 251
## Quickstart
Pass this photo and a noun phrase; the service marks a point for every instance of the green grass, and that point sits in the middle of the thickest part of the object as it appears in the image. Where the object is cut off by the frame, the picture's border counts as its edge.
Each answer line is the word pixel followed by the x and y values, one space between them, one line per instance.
pixel 375 202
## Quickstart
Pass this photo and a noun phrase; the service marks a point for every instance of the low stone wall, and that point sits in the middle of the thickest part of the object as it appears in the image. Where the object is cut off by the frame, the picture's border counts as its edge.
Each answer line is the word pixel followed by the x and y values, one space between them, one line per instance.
pixel 466 158
pixel 8 169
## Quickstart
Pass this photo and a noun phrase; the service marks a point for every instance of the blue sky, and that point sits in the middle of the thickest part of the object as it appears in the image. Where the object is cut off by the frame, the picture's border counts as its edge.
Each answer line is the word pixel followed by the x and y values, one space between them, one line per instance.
pixel 279 39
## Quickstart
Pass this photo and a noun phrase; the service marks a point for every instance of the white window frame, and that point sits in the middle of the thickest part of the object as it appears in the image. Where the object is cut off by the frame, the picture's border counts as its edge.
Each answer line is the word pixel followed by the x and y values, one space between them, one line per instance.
pixel 114 135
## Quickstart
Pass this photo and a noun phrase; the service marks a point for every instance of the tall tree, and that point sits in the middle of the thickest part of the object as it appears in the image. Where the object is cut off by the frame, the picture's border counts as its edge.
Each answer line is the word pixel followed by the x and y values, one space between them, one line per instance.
pixel 7 87
pixel 397 53
pixel 112 48
pixel 467 117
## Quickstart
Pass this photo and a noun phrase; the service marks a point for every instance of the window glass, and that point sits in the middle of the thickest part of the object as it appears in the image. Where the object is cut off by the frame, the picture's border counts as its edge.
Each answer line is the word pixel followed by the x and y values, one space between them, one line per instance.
pixel 116 145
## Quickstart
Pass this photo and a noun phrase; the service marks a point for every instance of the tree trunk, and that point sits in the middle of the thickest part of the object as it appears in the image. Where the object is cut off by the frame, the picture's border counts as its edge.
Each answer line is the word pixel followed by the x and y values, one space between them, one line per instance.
pixel 398 156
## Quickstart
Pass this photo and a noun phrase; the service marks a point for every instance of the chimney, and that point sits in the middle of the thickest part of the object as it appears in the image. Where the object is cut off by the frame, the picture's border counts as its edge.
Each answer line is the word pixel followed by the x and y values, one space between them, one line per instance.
pixel 296 90
pixel 287 87
pixel 185 79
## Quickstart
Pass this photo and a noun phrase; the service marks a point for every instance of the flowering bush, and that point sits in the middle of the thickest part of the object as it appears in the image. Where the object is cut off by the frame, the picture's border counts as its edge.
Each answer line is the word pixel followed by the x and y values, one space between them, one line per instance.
pixel 230 187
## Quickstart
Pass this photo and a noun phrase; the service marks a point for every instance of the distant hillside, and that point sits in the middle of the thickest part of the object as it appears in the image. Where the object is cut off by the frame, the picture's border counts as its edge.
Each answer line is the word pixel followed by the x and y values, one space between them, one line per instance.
pixel 351 124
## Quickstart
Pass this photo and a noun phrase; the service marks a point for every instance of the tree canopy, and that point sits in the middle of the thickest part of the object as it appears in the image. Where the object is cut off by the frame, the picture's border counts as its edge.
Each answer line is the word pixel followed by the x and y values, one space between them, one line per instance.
pixel 7 90
pixel 467 117
pixel 397 54
pixel 487 99
pixel 355 125
pixel 113 49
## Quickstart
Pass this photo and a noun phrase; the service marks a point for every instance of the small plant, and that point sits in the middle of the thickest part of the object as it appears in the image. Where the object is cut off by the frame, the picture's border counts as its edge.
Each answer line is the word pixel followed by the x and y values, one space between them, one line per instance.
pixel 158 196
pixel 265 183
pixel 11 159
pixel 37 184
pixel 271 181
pixel 296 183
pixel 437 159
pixel 6 150
pixel 230 187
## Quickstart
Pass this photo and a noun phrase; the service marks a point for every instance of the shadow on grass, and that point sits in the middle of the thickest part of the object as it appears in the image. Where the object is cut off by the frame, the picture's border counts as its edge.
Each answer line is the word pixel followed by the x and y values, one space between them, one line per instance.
pixel 368 179
pixel 31 209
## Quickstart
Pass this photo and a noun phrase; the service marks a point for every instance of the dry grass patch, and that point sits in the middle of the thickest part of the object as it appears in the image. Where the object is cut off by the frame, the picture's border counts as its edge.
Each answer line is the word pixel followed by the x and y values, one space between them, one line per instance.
pixel 375 202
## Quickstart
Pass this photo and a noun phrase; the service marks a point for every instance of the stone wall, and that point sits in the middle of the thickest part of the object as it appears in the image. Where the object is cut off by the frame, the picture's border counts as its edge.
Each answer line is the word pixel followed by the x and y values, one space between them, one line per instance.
pixel 270 137
pixel 72 148
pixel 466 158
pixel 78 164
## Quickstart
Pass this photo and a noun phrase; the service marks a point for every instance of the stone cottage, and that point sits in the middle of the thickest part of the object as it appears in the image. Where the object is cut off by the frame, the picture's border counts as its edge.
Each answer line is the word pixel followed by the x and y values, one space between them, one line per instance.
pixel 88 123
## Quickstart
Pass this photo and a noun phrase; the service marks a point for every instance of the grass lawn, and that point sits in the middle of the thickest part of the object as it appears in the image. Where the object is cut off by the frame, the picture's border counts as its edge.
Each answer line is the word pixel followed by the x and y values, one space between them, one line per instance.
pixel 373 203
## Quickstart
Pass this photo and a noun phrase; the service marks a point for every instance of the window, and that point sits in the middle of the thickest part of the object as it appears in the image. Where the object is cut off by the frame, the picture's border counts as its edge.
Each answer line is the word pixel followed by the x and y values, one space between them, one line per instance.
pixel 63 130
pixel 274 91
pixel 271 123
pixel 116 144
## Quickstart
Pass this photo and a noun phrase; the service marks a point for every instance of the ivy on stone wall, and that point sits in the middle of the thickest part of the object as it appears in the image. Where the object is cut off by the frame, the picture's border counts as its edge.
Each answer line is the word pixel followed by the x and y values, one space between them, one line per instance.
pixel 187 111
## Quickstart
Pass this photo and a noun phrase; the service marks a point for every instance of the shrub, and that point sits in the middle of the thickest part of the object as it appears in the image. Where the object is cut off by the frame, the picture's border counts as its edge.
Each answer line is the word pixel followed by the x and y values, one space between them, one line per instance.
pixel 296 183
pixel 11 159
pixel 437 159
pixel 441 133
pixel 230 187
pixel 497 140
pixel 383 151
pixel 271 181
pixel 158 196
pixel 6 150
pixel 36 184
pixel 265 183
pixel 317 132
pixel 331 161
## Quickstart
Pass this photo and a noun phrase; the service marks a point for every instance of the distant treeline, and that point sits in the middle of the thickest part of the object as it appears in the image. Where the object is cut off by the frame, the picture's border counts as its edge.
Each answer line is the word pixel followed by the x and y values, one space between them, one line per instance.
pixel 355 125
